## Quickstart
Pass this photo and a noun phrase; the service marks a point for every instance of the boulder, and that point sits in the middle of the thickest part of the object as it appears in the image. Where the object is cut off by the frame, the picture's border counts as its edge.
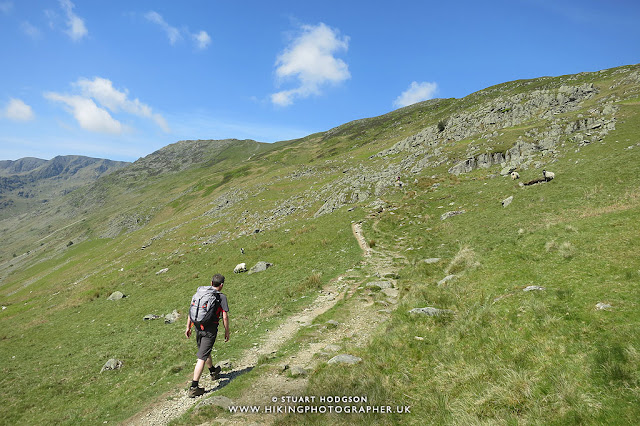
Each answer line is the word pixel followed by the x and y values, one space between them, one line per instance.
pixel 172 317
pixel 507 201
pixel 112 364
pixel 603 306
pixel 116 295
pixel 260 267
pixel 162 271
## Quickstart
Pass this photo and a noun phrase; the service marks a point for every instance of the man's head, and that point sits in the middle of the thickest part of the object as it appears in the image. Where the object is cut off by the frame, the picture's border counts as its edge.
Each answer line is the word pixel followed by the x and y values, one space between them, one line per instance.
pixel 217 280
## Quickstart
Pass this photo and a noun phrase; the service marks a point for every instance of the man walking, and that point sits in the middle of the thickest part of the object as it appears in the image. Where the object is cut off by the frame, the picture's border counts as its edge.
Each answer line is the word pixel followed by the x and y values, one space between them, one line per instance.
pixel 206 337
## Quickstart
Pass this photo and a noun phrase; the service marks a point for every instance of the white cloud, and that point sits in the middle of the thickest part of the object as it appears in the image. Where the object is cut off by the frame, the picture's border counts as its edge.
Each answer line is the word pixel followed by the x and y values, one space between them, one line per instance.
pixel 30 30
pixel 75 25
pixel 103 92
pixel 172 32
pixel 17 110
pixel 416 92
pixel 202 39
pixel 310 59
pixel 88 115
pixel 95 97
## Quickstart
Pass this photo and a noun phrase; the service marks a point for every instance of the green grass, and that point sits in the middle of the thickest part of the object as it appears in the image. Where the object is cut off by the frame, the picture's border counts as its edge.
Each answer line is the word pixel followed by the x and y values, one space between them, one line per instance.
pixel 509 356
pixel 505 356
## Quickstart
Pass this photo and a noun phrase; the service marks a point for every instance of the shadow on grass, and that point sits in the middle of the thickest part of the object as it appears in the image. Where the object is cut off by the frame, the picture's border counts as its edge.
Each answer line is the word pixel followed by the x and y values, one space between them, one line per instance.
pixel 226 378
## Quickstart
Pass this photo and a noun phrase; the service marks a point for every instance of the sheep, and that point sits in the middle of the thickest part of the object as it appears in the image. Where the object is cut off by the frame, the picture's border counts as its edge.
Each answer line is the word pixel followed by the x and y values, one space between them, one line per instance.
pixel 548 175
pixel 515 175
pixel 240 267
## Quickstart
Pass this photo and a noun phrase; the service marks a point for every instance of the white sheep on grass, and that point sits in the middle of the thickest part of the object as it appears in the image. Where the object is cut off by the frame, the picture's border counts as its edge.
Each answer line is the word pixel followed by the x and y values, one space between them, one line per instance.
pixel 240 267
pixel 548 175
pixel 515 175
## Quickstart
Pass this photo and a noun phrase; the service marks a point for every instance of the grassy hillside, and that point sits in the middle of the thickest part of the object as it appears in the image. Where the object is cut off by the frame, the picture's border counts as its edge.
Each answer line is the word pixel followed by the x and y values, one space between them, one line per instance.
pixel 503 356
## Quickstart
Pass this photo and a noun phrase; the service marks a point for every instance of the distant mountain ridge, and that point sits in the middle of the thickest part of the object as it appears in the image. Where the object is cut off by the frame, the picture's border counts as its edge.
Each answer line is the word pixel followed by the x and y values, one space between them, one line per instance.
pixel 29 181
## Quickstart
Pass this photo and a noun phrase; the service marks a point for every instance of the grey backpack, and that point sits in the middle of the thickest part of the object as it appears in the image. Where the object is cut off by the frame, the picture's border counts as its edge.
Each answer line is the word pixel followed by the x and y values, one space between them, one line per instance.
pixel 204 307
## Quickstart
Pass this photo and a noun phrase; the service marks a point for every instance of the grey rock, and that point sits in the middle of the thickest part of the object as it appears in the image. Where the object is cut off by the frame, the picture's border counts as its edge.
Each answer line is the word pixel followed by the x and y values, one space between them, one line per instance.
pixel 172 317
pixel 344 359
pixel 507 201
pixel 162 271
pixel 380 284
pixel 333 323
pixel 432 260
pixel 447 215
pixel 430 311
pixel 297 371
pixel 112 364
pixel 603 306
pixel 150 317
pixel 116 295
pixel 260 267
pixel 447 279
pixel 534 288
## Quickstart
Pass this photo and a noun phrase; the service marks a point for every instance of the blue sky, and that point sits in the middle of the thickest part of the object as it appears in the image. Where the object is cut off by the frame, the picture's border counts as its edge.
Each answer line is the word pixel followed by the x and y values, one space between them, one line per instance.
pixel 121 79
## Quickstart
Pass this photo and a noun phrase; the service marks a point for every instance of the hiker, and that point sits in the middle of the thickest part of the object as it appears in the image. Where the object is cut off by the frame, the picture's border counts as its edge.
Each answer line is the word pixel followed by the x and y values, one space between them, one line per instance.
pixel 206 334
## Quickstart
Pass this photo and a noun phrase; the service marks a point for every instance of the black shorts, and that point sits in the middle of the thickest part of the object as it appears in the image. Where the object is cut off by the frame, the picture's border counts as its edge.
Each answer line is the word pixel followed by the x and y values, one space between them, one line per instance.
pixel 205 340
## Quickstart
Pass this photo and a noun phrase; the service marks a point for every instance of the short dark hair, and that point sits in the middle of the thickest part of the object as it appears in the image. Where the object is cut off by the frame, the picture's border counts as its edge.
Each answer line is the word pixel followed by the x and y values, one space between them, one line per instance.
pixel 217 280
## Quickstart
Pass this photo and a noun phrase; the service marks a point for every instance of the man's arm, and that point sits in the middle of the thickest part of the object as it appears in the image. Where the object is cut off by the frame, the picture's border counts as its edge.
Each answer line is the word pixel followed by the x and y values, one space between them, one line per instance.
pixel 188 330
pixel 225 322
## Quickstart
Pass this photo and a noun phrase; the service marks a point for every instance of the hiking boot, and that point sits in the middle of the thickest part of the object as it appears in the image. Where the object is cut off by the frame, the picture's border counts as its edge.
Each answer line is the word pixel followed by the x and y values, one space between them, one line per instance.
pixel 193 392
pixel 216 373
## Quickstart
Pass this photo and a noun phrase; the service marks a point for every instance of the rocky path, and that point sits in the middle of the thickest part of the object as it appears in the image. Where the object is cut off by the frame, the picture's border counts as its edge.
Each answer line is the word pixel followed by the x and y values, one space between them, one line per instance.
pixel 288 378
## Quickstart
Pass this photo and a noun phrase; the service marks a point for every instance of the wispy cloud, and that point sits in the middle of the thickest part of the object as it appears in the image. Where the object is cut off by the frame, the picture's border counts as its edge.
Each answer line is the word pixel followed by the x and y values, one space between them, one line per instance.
pixel 416 92
pixel 30 30
pixel 97 100
pixel 310 60
pixel 6 7
pixel 75 24
pixel 172 32
pixel 17 110
pixel 201 39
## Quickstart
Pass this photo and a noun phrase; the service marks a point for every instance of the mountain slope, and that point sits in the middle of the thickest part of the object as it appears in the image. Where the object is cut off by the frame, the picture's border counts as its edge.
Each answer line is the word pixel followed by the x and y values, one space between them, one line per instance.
pixel 28 182
pixel 191 207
